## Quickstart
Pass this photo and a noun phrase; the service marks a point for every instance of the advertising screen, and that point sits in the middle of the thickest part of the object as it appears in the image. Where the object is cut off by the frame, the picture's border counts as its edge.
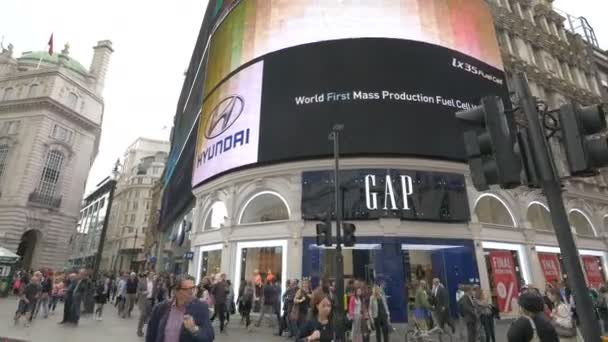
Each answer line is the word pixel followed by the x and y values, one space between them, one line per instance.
pixel 392 72
pixel 257 27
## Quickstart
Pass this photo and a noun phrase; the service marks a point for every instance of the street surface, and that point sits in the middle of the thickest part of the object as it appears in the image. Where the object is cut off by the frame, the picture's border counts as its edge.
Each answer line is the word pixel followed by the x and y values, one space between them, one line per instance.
pixel 114 329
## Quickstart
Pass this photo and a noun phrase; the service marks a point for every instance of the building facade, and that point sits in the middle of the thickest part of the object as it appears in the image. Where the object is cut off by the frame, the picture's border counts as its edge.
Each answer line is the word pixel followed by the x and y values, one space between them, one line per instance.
pixel 85 240
pixel 52 110
pixel 416 218
pixel 142 166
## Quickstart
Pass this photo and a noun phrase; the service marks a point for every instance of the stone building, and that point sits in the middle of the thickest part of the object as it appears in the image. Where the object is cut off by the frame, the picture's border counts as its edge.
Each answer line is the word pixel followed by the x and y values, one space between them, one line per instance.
pixel 51 112
pixel 142 166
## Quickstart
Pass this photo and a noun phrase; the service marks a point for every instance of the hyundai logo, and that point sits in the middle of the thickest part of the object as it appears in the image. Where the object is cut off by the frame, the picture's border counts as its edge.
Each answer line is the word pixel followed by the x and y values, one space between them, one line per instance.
pixel 224 115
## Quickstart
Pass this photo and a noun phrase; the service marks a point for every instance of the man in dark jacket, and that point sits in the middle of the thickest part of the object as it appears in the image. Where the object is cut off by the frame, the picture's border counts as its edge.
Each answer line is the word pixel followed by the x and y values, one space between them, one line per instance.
pixel 268 301
pixel 219 291
pixel 184 319
pixel 467 309
pixel 441 302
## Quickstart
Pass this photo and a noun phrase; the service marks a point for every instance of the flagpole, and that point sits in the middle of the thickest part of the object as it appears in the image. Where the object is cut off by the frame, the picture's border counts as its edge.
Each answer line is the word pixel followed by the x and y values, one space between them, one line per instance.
pixel 48 45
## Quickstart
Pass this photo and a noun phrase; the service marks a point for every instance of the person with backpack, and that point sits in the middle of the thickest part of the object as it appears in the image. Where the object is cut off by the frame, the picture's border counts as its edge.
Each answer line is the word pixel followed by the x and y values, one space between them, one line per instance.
pixel 246 303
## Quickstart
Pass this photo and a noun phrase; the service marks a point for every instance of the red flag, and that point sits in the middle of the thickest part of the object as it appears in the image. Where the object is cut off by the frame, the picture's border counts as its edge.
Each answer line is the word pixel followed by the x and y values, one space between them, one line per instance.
pixel 50 44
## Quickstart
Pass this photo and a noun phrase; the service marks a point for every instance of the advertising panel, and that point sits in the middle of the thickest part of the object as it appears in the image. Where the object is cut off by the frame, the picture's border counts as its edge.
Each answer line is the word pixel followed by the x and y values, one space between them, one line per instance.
pixel 229 127
pixel 257 27
pixel 505 279
pixel 549 263
pixel 284 72
pixel 591 264
pixel 376 193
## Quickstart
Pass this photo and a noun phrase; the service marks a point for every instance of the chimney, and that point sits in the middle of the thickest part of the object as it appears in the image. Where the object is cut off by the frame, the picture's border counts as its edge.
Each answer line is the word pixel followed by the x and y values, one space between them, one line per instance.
pixel 99 65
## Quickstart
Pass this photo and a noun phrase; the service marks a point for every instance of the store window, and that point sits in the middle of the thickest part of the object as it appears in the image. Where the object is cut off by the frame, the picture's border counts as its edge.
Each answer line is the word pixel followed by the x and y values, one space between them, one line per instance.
pixel 539 217
pixel 581 223
pixel 492 210
pixel 210 260
pixel 261 262
pixel 594 268
pixel 216 216
pixel 264 207
pixel 508 271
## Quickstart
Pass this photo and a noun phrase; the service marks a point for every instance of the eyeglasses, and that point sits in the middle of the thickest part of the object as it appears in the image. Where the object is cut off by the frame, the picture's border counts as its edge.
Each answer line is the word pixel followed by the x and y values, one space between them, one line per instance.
pixel 192 288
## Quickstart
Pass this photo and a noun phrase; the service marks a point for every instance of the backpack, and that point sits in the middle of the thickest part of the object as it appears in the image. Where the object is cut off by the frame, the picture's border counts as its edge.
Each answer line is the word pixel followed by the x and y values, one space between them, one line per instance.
pixel 247 295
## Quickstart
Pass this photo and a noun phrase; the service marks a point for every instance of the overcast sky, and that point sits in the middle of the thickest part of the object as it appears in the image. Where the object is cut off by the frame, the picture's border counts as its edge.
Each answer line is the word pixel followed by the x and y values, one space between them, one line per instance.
pixel 153 42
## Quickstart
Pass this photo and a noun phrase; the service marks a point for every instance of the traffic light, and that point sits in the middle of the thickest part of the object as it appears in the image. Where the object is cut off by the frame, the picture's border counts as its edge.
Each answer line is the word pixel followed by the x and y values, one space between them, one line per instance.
pixel 584 151
pixel 324 234
pixel 490 145
pixel 348 234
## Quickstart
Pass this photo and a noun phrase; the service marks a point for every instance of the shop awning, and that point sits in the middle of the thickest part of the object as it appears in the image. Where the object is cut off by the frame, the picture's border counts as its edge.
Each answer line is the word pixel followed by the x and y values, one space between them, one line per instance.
pixel 7 256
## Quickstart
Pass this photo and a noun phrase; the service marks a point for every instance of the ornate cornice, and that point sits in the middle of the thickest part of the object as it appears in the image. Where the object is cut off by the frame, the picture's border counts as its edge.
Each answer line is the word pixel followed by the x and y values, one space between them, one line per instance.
pixel 53 105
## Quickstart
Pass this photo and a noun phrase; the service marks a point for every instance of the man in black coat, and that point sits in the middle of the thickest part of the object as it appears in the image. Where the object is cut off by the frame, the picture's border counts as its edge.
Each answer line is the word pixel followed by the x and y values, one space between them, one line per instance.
pixel 441 302
pixel 467 309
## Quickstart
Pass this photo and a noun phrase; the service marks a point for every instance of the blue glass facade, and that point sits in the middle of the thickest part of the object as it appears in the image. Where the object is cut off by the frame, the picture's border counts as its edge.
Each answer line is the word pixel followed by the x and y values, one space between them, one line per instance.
pixel 453 261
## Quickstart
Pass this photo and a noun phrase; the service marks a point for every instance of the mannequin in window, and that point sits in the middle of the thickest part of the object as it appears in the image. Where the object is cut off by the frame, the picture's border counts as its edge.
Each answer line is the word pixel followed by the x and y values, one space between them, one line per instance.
pixel 420 273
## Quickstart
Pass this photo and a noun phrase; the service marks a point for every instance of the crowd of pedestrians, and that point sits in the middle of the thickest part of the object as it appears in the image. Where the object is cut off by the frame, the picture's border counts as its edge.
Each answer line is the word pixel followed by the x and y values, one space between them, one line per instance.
pixel 174 308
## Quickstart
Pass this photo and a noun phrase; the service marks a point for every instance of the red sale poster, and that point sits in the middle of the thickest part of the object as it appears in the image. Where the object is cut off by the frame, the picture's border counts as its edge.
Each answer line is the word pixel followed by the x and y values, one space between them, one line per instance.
pixel 591 264
pixel 505 279
pixel 549 263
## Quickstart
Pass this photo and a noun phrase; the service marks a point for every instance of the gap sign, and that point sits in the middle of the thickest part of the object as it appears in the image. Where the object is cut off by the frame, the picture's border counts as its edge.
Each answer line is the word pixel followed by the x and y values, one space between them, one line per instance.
pixel 376 193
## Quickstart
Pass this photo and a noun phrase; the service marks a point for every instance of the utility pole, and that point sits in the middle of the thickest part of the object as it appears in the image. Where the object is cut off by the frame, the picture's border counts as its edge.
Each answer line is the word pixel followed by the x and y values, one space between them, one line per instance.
pixel 134 253
pixel 339 314
pixel 112 184
pixel 551 185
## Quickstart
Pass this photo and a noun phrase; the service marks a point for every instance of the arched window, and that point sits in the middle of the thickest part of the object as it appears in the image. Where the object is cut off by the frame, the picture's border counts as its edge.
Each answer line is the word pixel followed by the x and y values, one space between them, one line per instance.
pixel 33 91
pixel 539 217
pixel 8 94
pixel 50 174
pixel 216 216
pixel 72 100
pixel 3 159
pixel 490 209
pixel 581 223
pixel 264 206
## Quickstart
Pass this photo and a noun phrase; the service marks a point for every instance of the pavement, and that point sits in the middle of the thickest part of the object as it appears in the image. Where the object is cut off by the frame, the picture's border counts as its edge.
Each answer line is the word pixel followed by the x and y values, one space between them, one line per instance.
pixel 115 329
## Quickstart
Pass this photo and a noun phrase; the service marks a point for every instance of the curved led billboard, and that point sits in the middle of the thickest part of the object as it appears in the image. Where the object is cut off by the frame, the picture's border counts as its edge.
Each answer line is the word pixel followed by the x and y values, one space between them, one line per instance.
pixel 394 73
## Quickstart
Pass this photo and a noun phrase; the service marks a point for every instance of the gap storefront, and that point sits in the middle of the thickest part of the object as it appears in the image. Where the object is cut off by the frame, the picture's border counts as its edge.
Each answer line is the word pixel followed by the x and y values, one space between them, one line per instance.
pixel 375 199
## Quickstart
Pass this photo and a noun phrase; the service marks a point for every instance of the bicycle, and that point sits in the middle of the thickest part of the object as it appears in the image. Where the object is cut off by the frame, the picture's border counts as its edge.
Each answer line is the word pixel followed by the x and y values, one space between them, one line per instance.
pixel 415 334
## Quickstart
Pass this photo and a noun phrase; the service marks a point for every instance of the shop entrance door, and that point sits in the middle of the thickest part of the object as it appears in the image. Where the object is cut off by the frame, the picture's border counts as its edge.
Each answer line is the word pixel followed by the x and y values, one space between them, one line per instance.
pixel 359 262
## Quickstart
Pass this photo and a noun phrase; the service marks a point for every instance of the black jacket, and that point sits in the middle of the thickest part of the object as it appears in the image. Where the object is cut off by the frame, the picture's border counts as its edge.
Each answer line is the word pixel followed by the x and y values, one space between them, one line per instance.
pixel 467 309
pixel 441 299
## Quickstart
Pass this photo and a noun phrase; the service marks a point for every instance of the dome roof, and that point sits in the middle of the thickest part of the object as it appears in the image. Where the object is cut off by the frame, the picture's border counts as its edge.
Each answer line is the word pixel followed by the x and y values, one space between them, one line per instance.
pixel 35 56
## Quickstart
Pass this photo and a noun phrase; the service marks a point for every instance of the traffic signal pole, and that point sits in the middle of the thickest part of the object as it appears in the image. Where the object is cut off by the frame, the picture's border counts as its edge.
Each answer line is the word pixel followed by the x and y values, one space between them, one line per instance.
pixel 339 314
pixel 551 185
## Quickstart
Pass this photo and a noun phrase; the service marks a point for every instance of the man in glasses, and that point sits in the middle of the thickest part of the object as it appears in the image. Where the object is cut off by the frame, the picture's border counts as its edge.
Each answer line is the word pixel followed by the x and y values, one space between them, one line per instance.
pixel 184 319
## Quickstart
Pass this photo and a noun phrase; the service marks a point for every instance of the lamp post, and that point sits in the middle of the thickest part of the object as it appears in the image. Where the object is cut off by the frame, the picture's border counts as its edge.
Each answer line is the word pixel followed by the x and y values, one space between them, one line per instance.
pixel 340 333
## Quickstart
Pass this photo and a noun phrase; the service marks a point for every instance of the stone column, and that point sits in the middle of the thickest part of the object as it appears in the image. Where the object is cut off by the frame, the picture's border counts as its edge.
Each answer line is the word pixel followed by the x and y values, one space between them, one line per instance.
pixel 484 277
pixel 536 272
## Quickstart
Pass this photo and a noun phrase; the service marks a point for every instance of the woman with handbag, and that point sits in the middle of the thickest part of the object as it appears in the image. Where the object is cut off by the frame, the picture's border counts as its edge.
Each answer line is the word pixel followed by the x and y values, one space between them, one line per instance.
pixel 246 302
pixel 355 314
pixel 561 317
pixel 378 312
pixel 302 302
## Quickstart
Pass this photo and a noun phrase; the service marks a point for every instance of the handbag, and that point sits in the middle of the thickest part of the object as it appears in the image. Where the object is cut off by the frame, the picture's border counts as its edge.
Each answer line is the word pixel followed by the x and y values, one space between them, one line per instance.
pixel 563 331
pixel 294 314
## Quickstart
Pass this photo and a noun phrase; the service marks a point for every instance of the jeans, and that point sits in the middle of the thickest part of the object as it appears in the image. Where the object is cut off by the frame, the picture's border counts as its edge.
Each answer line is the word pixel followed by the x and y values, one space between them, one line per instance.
pixel 471 331
pixel 144 314
pixel 131 299
pixel 487 324
pixel 53 304
pixel 220 311
pixel 265 309
pixel 381 326
pixel 43 303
